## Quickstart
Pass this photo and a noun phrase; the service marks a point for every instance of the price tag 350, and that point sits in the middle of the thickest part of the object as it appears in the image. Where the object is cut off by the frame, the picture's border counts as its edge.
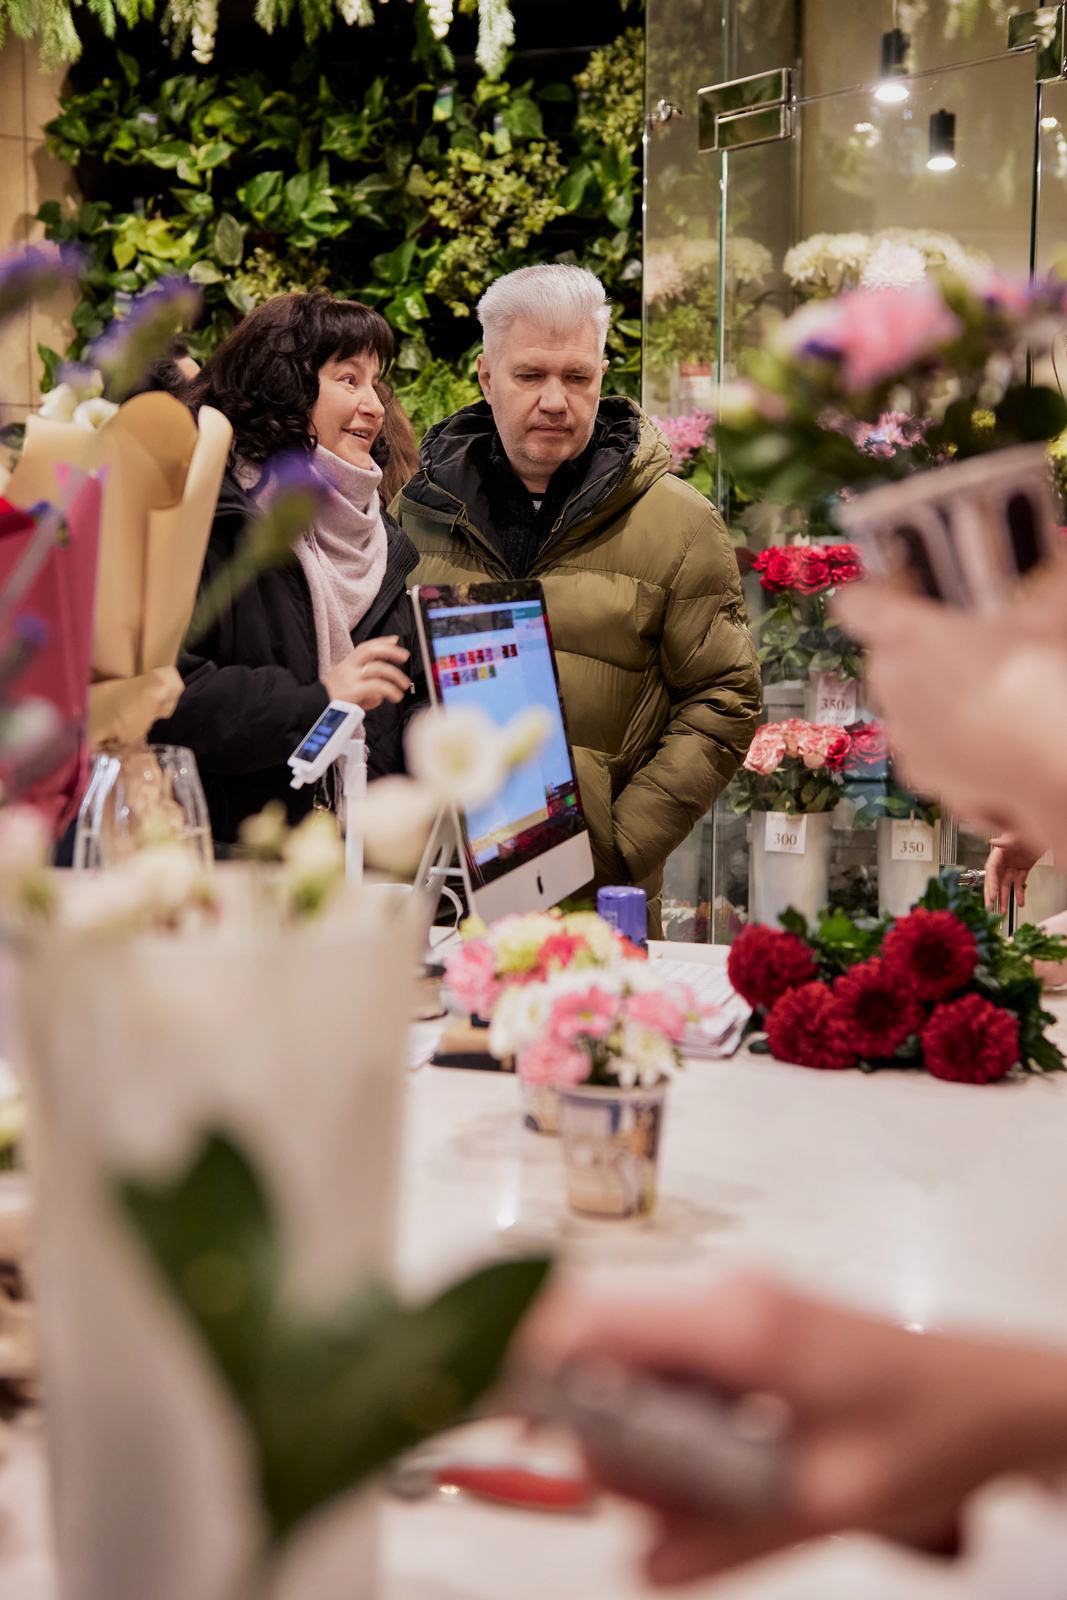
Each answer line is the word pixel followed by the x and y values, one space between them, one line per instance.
pixel 785 834
pixel 912 841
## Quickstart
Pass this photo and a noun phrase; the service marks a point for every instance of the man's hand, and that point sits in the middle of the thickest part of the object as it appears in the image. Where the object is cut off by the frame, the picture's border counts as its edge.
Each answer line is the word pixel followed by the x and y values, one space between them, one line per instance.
pixel 1008 867
pixel 368 675
pixel 891 1430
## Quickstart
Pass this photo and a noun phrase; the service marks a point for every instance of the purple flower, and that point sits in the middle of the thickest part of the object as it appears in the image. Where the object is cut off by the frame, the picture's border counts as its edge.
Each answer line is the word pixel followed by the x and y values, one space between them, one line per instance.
pixel 130 344
pixel 34 271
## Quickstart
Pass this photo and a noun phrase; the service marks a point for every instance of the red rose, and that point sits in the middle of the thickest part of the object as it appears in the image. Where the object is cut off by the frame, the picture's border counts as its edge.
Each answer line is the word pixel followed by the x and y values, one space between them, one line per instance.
pixel 775 568
pixel 845 563
pixel 814 570
pixel 971 1041
pixel 805 1026
pixel 868 750
pixel 876 1013
pixel 838 752
pixel 764 962
pixel 930 953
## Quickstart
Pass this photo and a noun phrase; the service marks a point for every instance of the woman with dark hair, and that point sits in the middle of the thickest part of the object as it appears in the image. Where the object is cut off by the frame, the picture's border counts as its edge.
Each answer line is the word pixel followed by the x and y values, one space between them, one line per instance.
pixel 300 373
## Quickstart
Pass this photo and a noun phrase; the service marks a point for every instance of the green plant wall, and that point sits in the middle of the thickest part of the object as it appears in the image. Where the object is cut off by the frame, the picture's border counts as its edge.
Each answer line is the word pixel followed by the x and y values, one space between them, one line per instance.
pixel 412 197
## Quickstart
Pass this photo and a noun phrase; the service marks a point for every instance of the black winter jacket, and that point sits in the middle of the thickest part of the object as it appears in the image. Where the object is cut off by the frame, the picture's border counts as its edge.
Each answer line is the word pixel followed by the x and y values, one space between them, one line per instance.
pixel 252 688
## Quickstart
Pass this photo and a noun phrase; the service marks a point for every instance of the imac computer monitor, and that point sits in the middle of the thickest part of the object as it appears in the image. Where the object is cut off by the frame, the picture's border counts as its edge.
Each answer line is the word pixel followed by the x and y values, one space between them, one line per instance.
pixel 489 645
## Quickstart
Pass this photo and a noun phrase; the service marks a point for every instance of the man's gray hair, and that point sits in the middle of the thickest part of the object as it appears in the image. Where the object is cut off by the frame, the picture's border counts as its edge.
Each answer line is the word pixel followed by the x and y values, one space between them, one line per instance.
pixel 555 296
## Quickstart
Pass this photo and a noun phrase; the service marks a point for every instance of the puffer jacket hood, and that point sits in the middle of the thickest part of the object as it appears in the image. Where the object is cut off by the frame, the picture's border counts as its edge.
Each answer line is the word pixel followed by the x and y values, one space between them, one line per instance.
pixel 657 668
pixel 629 456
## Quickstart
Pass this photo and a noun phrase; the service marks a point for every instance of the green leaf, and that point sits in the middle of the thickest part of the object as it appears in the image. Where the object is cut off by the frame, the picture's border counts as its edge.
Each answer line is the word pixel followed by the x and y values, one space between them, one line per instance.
pixel 262 193
pixel 296 194
pixel 573 187
pixel 793 922
pixel 620 210
pixel 195 202
pixel 522 118
pixel 205 271
pixel 213 155
pixel 53 362
pixel 170 154
pixel 327 1401
pixel 131 70
pixel 229 240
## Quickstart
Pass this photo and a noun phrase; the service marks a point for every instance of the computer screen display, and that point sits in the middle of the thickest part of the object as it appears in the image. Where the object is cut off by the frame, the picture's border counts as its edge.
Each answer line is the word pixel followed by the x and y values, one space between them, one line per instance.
pixel 496 654
pixel 321 734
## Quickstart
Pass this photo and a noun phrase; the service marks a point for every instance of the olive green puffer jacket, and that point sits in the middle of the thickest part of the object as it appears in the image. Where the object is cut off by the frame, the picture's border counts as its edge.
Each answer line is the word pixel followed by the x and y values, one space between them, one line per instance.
pixel 656 662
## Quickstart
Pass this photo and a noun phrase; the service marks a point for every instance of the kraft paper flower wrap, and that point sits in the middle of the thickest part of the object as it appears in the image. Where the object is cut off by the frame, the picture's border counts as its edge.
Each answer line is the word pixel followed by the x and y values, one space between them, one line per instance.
pixel 161 474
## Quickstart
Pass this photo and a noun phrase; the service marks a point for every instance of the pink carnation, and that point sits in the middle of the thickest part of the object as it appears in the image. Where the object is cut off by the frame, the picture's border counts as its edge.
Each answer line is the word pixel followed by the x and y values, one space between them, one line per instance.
pixel 471 973
pixel 666 1014
pixel 550 1061
pixel 766 751
pixel 875 333
pixel 685 435
pixel 591 1012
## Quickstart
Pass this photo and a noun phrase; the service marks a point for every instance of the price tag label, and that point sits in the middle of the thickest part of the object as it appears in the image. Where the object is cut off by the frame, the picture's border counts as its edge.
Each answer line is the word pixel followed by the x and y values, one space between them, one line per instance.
pixel 835 701
pixel 785 834
pixel 912 841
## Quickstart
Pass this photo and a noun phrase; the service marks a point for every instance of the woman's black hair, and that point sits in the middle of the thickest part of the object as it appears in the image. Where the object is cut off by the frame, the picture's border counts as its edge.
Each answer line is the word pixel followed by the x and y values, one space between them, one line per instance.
pixel 265 376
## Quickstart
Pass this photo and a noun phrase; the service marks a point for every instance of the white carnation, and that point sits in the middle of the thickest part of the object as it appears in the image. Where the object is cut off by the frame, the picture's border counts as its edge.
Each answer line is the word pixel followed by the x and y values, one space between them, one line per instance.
pixel 646 1055
pixel 893 266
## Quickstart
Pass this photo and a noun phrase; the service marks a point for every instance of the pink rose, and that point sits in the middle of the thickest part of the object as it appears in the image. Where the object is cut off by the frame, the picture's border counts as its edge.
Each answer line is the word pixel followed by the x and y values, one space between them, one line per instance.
pixel 664 1013
pixel 590 1012
pixel 471 974
pixel 552 1062
pixel 791 730
pixel 766 751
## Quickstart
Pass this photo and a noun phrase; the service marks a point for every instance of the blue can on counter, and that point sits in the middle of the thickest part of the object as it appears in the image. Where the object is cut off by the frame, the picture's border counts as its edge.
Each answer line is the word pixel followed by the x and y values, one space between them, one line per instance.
pixel 625 908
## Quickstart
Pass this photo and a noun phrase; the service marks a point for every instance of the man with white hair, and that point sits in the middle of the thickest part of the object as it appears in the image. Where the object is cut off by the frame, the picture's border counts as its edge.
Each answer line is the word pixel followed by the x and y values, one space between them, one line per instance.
pixel 548 480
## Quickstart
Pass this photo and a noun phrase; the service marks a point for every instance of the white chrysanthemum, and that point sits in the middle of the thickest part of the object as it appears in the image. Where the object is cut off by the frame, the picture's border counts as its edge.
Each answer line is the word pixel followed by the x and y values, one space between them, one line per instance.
pixel 747 261
pixel 893 266
pixel 516 940
pixel 519 1017
pixel 205 27
pixel 663 278
pixel 93 414
pixel 440 14
pixel 646 1055
pixel 496 35
pixel 395 818
pixel 459 754
pixel 359 12
pixel 827 262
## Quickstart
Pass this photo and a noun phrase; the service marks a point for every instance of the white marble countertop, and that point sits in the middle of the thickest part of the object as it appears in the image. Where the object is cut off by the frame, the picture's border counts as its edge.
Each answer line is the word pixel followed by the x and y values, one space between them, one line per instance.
pixel 932 1203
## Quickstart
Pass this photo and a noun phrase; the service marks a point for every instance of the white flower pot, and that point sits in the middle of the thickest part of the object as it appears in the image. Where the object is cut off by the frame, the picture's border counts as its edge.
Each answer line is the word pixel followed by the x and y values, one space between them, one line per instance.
pixel 776 881
pixel 292 1042
pixel 901 883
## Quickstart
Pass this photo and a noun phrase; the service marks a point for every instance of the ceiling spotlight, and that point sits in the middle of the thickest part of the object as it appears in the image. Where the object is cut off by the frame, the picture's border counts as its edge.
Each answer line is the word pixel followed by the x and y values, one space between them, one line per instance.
pixel 942 141
pixel 893 67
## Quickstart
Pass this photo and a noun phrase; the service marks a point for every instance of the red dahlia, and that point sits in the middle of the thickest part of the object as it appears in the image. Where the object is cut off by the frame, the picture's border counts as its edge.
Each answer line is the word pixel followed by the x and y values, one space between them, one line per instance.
pixel 971 1041
pixel 805 1026
pixel 765 962
pixel 930 953
pixel 877 1015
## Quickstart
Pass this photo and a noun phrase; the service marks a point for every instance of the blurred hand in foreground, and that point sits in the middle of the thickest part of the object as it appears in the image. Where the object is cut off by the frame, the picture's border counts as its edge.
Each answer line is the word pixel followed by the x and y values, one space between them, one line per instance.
pixel 974 705
pixel 891 1430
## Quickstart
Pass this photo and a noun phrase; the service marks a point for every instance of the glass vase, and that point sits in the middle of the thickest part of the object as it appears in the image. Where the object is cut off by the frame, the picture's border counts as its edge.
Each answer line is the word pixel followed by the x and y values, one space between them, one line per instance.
pixel 138 795
pixel 611 1145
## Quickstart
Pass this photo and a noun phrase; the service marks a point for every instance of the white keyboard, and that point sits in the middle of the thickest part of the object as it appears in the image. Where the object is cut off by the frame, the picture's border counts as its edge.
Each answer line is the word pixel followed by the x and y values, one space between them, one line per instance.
pixel 711 987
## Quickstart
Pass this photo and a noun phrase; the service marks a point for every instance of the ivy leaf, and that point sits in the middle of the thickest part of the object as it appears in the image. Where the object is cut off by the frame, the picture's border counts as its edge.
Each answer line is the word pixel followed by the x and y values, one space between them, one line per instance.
pixel 407 310
pixel 296 194
pixel 195 202
pixel 53 363
pixel 522 118
pixel 229 240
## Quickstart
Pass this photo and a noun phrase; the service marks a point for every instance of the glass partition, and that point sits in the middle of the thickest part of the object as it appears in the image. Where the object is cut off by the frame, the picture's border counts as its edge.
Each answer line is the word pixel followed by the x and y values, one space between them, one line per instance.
pixel 730 234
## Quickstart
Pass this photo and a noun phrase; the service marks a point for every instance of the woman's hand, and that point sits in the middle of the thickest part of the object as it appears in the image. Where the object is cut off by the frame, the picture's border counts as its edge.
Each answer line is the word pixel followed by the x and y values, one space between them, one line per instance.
pixel 370 674
pixel 891 1431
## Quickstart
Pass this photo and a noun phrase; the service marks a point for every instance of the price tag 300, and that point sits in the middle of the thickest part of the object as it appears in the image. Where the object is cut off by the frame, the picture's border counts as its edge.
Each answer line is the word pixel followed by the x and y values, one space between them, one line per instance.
pixel 835 700
pixel 785 834
pixel 912 841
